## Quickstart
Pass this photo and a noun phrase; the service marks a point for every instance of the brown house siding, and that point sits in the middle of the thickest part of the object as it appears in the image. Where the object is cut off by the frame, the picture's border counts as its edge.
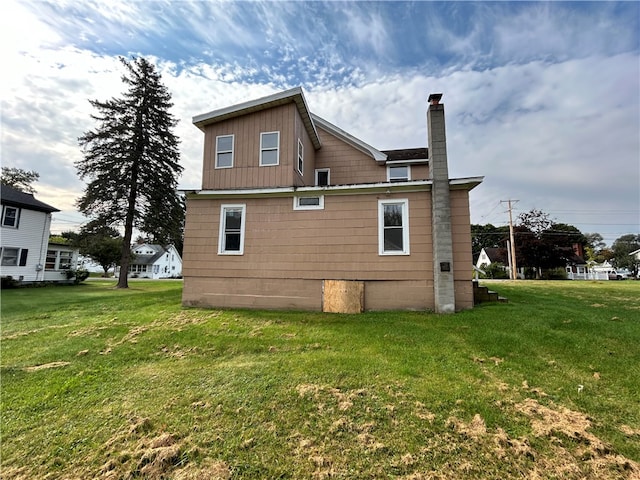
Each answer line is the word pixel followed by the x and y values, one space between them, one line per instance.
pixel 306 247
pixel 288 252
pixel 348 165
pixel 246 171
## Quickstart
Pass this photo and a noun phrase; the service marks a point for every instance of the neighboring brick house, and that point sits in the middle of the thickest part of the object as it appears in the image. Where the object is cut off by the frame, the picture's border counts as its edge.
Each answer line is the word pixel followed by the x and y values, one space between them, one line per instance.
pixel 295 213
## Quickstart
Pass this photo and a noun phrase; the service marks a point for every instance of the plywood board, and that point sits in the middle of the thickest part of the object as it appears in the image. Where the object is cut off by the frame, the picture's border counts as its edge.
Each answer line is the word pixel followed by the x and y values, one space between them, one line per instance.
pixel 343 296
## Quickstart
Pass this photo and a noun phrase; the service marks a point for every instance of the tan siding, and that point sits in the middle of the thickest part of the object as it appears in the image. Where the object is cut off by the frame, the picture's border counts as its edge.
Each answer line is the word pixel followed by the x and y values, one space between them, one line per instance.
pixel 399 295
pixel 339 242
pixel 246 171
pixel 252 293
pixel 419 172
pixel 348 165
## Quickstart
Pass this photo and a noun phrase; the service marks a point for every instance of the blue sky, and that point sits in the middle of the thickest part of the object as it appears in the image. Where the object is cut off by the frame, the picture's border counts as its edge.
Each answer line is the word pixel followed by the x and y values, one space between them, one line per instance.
pixel 542 98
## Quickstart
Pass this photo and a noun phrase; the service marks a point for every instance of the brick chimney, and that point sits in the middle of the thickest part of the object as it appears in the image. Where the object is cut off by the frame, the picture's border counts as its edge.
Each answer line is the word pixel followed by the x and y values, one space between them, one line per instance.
pixel 443 284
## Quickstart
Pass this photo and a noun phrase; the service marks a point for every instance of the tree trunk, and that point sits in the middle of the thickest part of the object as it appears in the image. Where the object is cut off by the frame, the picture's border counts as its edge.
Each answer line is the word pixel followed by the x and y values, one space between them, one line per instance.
pixel 125 260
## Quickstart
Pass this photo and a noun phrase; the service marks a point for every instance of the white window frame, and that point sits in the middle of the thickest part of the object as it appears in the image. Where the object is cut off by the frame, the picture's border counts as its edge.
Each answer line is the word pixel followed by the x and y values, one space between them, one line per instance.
pixel 62 260
pixel 4 259
pixel 297 206
pixel 221 233
pixel 16 218
pixel 391 178
pixel 300 157
pixel 404 202
pixel 318 170
pixel 218 152
pixel 269 149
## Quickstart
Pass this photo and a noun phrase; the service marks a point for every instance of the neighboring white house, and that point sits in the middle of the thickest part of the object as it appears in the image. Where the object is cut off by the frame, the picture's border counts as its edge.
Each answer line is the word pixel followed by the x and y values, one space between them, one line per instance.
pixel 154 261
pixel 602 271
pixel 59 260
pixel 24 240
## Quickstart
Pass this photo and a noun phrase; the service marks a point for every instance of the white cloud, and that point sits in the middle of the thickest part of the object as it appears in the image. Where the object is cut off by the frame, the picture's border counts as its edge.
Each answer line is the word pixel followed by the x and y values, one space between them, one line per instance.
pixel 540 105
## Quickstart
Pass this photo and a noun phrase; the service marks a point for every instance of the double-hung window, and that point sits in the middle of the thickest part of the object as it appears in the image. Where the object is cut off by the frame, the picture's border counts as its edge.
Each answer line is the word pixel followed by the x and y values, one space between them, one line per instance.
pixel 269 148
pixel 10 216
pixel 300 157
pixel 400 173
pixel 10 256
pixel 224 151
pixel 393 227
pixel 231 237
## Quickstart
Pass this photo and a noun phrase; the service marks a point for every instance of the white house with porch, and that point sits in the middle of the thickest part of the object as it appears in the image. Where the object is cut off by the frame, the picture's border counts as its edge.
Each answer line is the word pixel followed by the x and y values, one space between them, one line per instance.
pixel 154 261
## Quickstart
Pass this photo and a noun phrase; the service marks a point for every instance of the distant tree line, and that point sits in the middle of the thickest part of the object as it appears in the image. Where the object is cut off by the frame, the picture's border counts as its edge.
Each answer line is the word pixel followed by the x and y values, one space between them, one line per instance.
pixel 543 244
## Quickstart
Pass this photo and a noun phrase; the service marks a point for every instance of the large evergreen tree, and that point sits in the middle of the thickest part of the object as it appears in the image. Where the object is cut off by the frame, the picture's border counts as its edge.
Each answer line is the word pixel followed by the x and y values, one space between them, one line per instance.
pixel 131 161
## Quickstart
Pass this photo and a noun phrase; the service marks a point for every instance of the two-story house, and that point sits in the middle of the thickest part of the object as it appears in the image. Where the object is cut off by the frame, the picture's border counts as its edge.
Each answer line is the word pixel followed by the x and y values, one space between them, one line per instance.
pixel 295 213
pixel 154 261
pixel 26 254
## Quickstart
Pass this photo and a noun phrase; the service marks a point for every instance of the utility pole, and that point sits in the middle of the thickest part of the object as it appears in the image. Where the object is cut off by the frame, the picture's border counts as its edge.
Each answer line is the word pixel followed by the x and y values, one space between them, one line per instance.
pixel 514 268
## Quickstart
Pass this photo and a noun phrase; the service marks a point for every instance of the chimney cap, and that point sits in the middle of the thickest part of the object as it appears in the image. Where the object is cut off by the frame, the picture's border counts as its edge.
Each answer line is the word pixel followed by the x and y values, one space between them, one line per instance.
pixel 434 98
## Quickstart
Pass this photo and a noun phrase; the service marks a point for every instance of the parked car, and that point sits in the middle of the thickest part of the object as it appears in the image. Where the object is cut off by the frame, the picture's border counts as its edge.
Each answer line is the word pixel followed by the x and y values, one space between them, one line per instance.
pixel 623 273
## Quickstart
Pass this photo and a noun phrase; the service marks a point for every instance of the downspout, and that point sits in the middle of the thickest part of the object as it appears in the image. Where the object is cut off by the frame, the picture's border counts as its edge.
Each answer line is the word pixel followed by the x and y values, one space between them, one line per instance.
pixel 46 228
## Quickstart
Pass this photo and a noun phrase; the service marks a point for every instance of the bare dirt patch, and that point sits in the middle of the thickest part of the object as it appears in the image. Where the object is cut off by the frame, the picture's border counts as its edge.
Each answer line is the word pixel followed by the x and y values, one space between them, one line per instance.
pixel 583 456
pixel 45 366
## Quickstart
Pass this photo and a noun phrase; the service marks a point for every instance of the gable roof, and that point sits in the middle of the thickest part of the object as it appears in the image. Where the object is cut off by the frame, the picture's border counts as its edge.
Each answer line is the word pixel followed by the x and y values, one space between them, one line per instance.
pixel 496 254
pixel 16 198
pixel 294 95
pixel 147 259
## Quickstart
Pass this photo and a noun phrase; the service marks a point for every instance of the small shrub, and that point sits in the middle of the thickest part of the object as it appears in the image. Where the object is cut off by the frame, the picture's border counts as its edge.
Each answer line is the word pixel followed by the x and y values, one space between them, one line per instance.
pixel 79 275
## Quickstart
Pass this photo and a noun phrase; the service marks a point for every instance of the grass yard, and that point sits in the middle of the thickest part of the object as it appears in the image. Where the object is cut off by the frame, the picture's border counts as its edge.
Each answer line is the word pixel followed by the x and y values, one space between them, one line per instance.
pixel 122 384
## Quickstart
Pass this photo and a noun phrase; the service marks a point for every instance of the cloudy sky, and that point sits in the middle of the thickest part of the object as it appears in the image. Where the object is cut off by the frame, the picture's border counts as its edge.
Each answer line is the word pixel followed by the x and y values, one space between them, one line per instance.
pixel 543 99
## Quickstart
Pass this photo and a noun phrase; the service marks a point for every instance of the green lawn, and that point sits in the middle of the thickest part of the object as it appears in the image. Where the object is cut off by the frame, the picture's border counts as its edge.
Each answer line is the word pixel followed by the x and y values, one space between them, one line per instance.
pixel 123 384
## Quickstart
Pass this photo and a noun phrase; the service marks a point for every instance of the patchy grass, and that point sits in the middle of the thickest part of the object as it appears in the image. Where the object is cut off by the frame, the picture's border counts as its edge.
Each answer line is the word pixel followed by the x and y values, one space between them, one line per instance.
pixel 110 384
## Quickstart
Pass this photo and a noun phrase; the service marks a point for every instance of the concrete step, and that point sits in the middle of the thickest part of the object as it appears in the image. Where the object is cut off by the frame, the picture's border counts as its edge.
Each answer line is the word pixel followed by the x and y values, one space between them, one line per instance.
pixel 482 294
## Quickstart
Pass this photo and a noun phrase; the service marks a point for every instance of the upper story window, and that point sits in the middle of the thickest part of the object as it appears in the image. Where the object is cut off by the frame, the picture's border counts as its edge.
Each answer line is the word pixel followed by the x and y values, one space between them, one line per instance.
pixel 393 227
pixel 10 216
pixel 300 157
pixel 269 148
pixel 398 173
pixel 224 151
pixel 231 238
pixel 322 177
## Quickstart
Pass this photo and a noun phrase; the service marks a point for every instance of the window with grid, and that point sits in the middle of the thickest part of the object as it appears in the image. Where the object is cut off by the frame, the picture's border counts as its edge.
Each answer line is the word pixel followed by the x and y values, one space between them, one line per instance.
pixel 393 227
pixel 224 151
pixel 269 148
pixel 231 238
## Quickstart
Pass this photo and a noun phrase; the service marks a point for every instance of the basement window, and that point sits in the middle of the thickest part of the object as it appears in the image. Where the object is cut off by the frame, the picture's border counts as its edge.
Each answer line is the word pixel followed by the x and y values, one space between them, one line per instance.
pixel 393 227
pixel 315 202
